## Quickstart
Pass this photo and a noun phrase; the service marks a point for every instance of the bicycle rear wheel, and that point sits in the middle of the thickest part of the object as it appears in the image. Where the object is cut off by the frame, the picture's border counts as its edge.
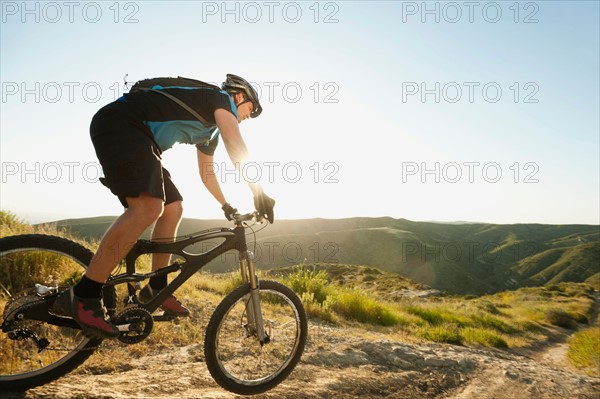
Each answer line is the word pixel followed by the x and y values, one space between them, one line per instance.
pixel 33 350
pixel 235 357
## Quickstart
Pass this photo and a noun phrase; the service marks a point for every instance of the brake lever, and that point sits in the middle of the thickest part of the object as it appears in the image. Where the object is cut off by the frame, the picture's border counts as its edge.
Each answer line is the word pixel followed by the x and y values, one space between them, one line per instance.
pixel 259 218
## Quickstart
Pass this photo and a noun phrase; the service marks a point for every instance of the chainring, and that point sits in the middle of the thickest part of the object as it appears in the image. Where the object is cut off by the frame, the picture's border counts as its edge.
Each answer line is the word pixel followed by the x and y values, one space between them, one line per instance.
pixel 135 325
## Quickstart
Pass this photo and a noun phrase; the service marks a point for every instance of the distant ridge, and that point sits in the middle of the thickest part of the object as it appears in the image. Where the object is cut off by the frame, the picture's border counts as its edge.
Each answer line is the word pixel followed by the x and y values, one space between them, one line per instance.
pixel 456 257
pixel 454 222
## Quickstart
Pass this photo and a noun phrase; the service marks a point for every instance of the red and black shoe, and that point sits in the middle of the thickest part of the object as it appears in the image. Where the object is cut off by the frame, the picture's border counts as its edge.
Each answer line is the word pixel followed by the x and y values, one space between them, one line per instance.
pixel 171 305
pixel 90 314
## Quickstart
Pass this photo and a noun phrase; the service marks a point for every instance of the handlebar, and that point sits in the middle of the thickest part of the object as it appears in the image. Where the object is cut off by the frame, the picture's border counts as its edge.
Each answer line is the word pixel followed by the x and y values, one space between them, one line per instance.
pixel 239 218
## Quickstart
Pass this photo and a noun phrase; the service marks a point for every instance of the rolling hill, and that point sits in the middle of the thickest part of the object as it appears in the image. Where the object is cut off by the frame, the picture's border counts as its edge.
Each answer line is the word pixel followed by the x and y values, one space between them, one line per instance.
pixel 456 258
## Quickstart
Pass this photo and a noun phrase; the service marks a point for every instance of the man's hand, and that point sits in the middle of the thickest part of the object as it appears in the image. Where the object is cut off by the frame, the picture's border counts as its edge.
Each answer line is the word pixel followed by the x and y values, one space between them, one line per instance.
pixel 229 211
pixel 264 205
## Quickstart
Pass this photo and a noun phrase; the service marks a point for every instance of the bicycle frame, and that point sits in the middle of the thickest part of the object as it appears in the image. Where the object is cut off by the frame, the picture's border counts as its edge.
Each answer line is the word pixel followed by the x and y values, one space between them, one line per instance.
pixel 233 239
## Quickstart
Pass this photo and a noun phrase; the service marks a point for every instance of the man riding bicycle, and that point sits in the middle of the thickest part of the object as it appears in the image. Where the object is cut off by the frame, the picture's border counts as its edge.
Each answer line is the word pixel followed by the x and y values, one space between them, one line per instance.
pixel 129 136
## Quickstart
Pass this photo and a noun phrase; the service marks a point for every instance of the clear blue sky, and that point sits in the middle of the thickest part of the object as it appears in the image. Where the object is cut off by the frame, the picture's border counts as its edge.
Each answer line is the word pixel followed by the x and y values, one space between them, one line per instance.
pixel 482 112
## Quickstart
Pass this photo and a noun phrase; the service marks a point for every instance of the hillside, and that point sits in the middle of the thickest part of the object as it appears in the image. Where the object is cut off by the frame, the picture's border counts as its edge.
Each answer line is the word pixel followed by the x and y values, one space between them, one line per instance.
pixel 372 334
pixel 456 258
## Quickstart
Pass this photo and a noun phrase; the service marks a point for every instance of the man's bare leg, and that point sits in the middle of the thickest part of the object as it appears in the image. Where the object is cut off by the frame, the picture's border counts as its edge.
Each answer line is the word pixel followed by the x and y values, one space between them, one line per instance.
pixel 83 302
pixel 122 235
pixel 165 230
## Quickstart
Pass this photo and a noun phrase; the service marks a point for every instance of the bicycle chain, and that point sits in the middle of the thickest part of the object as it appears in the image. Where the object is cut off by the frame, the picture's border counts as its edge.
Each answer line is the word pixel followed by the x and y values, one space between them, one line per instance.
pixel 20 303
pixel 25 300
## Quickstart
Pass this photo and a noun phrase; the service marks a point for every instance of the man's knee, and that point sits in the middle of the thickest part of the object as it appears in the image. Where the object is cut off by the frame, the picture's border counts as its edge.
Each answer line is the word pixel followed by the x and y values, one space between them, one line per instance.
pixel 146 206
pixel 174 210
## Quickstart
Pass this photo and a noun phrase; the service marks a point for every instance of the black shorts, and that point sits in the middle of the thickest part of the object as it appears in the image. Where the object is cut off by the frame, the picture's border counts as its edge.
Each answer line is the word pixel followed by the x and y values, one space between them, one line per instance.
pixel 129 156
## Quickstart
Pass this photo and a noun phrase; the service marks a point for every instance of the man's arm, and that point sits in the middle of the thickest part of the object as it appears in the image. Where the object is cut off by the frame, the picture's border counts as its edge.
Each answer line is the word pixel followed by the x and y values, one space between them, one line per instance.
pixel 206 166
pixel 238 152
pixel 234 143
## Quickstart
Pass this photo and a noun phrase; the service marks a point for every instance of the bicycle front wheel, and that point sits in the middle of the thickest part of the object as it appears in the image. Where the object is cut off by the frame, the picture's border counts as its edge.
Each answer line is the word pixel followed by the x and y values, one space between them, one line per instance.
pixel 234 356
pixel 34 352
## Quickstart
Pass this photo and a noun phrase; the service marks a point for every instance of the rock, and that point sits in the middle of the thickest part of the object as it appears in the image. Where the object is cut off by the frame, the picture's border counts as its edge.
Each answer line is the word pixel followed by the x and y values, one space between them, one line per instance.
pixel 437 362
pixel 465 364
pixel 510 374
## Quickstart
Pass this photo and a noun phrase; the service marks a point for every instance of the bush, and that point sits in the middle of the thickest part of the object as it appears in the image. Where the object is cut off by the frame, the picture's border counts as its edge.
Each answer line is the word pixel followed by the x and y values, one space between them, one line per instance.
pixel 310 281
pixel 489 321
pixel 484 337
pixel 560 318
pixel 437 315
pixel 317 310
pixel 354 305
pixel 446 333
pixel 581 318
pixel 584 349
pixel 320 299
pixel 489 307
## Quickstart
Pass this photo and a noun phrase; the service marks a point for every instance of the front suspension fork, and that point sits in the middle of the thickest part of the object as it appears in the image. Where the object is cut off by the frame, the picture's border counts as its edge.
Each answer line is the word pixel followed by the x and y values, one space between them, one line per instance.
pixel 253 308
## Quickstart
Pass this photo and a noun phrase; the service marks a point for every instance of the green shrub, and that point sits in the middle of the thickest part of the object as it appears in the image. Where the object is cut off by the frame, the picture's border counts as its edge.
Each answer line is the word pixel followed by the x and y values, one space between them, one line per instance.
pixel 528 326
pixel 446 333
pixel 306 280
pixel 315 309
pixel 354 305
pixel 430 316
pixel 489 307
pixel 584 349
pixel 489 321
pixel 580 318
pixel 437 315
pixel 484 337
pixel 560 318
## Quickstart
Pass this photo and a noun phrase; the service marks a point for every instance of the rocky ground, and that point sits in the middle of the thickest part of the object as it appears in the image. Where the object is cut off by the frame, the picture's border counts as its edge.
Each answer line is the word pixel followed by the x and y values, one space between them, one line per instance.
pixel 345 363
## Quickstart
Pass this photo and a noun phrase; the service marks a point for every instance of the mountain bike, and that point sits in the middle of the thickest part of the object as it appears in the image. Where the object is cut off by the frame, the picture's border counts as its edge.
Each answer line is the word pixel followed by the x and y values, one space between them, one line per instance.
pixel 253 341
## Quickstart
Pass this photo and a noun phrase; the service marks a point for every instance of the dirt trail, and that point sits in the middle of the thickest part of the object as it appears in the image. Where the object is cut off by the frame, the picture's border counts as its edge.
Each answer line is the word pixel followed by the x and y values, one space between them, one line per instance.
pixel 341 363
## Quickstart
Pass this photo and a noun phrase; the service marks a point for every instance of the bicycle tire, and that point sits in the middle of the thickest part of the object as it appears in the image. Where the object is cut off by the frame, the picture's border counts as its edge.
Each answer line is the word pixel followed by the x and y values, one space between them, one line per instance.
pixel 215 364
pixel 77 355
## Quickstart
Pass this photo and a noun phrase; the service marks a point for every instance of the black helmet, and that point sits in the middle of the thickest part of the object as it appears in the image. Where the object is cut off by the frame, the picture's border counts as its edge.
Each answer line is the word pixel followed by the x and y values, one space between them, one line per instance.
pixel 236 84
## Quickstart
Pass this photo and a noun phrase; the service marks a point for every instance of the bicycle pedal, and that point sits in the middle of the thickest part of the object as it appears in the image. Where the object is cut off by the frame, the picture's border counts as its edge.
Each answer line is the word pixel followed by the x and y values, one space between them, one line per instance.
pixel 164 316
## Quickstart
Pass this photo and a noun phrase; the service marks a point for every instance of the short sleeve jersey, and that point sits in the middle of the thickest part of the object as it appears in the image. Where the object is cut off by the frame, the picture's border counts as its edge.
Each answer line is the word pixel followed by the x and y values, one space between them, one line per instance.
pixel 169 123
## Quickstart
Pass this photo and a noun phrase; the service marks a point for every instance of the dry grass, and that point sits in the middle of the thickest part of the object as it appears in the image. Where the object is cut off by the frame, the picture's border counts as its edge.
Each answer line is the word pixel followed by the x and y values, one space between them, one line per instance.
pixel 508 319
pixel 584 350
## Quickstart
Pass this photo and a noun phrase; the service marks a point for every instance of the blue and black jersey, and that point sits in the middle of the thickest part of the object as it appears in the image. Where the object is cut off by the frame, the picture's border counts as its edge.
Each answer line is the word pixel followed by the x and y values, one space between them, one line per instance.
pixel 169 123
